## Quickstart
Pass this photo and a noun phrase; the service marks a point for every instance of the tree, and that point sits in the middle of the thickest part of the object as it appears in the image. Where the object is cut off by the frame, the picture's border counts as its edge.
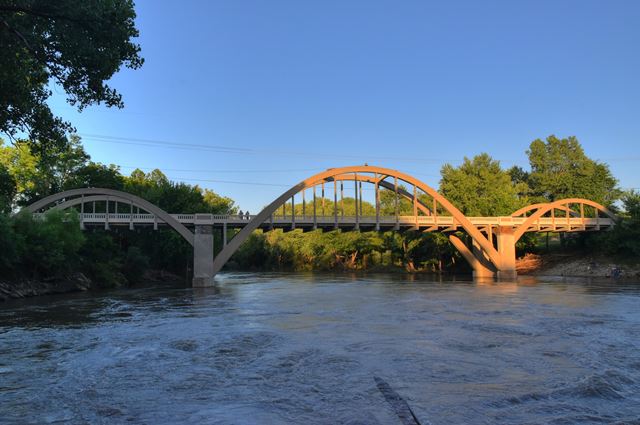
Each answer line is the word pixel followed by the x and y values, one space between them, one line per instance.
pixel 21 165
pixel 41 172
pixel 7 189
pixel 79 44
pixel 560 169
pixel 480 187
pixel 219 204
pixel 51 244
pixel 95 174
pixel 624 240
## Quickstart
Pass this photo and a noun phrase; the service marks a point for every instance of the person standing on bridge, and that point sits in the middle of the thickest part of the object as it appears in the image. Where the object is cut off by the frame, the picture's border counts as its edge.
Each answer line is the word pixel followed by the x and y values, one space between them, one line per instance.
pixel 247 215
pixel 240 214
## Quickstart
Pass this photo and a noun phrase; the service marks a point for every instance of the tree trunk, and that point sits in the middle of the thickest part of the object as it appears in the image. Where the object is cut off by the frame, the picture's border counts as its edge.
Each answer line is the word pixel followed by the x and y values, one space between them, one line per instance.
pixel 547 242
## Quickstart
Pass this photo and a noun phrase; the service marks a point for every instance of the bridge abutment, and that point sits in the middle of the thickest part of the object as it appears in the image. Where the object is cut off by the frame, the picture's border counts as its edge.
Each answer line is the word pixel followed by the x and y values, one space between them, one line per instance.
pixel 203 256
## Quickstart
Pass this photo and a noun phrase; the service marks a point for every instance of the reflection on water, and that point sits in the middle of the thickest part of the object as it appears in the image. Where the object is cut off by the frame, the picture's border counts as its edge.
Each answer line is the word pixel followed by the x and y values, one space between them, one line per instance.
pixel 304 348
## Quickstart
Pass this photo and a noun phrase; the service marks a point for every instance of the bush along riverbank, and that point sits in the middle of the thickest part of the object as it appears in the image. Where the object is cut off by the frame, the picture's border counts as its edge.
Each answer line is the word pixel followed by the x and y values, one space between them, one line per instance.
pixel 53 255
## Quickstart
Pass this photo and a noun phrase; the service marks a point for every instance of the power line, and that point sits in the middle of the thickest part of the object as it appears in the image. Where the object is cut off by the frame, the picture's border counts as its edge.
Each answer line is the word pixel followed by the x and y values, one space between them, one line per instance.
pixel 228 182
pixel 213 170
pixel 179 179
pixel 229 149
pixel 234 149
pixel 146 142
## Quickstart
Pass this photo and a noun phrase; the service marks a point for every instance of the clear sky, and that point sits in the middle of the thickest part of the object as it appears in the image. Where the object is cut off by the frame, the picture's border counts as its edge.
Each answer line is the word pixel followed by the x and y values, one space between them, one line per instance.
pixel 270 92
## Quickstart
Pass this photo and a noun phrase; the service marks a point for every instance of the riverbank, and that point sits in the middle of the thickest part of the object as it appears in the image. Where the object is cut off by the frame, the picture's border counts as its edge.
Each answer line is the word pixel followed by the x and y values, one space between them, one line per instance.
pixel 568 265
pixel 77 282
pixel 577 265
pixel 22 288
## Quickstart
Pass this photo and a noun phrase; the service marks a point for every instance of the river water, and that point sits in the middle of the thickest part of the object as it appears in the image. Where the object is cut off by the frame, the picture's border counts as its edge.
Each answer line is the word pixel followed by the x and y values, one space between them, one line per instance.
pixel 304 349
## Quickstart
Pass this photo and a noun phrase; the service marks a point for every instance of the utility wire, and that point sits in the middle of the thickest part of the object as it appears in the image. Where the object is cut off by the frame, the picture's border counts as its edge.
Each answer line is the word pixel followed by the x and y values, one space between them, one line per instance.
pixel 229 149
pixel 213 170
pixel 235 149
pixel 178 179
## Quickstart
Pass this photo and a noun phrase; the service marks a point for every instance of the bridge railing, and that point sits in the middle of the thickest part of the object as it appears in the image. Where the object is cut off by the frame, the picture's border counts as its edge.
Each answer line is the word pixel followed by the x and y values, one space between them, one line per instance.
pixel 542 224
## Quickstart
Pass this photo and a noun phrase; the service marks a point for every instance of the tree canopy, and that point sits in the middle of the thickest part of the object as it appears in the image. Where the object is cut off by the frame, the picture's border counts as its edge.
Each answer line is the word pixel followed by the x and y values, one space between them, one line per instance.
pixel 480 187
pixel 76 44
pixel 560 169
pixel 7 189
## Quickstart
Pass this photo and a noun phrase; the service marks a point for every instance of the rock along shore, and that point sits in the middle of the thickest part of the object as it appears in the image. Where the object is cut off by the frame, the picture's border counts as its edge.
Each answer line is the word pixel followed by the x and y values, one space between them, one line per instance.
pixel 22 288
pixel 577 265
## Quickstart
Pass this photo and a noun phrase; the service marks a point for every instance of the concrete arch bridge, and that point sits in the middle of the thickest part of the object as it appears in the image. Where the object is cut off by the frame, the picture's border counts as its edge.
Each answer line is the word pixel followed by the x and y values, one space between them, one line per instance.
pixel 319 203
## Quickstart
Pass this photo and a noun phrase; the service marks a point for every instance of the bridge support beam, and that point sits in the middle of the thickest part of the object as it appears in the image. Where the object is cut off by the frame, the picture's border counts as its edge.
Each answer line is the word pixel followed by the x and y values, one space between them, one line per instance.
pixel 484 267
pixel 203 256
pixel 480 269
pixel 507 249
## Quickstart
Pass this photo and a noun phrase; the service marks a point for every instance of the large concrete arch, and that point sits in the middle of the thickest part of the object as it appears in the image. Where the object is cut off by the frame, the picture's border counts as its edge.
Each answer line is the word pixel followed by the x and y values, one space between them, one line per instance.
pixel 561 204
pixel 380 181
pixel 99 194
pixel 477 236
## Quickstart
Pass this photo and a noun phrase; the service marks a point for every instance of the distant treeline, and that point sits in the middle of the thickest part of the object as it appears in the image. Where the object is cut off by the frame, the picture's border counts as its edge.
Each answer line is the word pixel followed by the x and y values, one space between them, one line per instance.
pixel 56 246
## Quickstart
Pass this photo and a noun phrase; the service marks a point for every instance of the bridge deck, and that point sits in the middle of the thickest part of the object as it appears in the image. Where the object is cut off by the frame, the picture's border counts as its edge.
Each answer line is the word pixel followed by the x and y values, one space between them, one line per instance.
pixel 350 222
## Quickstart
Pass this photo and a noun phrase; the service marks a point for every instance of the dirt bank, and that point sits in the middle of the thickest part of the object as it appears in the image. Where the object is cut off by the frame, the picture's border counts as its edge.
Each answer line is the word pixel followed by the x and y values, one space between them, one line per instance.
pixel 21 288
pixel 579 265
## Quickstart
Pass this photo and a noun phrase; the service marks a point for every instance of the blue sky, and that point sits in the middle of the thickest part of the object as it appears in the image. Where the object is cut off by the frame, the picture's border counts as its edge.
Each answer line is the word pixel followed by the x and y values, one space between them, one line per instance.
pixel 271 92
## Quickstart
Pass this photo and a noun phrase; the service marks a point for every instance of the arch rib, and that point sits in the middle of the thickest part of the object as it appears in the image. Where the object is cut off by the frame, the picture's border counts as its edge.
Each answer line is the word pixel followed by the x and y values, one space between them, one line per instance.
pixel 235 243
pixel 559 204
pixel 87 199
pixel 533 207
pixel 380 181
pixel 135 200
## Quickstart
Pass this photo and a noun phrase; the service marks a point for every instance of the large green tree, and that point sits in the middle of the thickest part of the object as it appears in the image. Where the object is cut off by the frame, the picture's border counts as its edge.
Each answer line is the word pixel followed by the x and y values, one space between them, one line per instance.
pixel 624 239
pixel 156 188
pixel 480 187
pixel 7 189
pixel 39 173
pixel 75 44
pixel 560 169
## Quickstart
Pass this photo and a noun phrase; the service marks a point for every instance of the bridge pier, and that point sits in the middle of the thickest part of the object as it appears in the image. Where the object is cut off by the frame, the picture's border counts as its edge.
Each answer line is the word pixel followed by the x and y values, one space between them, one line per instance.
pixel 482 267
pixel 507 249
pixel 475 258
pixel 203 256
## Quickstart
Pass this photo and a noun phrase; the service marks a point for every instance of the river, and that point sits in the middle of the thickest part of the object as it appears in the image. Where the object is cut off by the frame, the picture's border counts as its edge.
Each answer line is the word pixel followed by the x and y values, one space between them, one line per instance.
pixel 305 348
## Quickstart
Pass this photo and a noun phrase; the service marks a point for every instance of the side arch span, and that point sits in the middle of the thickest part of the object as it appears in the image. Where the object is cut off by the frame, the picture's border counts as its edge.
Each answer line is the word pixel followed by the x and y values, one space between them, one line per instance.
pixel 332 173
pixel 534 207
pixel 70 198
pixel 562 204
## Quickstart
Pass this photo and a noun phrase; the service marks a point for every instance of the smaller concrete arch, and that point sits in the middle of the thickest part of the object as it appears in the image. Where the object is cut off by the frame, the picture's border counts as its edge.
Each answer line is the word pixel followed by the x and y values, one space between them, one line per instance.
pixel 88 199
pixel 562 204
pixel 70 198
pixel 533 207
